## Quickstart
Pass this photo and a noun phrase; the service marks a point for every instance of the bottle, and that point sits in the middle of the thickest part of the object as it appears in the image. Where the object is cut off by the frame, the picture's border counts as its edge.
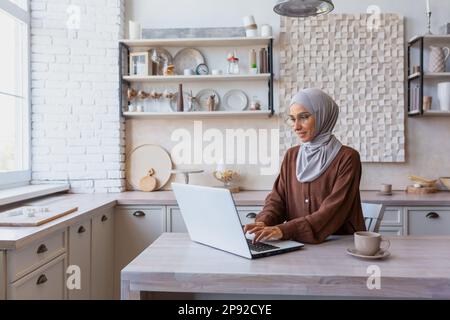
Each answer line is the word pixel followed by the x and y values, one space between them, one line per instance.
pixel 252 59
pixel 180 100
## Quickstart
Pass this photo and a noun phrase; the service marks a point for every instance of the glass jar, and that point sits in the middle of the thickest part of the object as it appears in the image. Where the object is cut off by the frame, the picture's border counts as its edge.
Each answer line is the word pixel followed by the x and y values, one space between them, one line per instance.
pixel 233 66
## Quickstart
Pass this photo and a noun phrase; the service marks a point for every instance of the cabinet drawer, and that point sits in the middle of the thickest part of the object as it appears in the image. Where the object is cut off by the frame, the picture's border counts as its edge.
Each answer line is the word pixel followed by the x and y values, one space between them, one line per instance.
pixel 23 261
pixel 391 231
pixel 428 222
pixel 46 283
pixel 244 213
pixel 392 217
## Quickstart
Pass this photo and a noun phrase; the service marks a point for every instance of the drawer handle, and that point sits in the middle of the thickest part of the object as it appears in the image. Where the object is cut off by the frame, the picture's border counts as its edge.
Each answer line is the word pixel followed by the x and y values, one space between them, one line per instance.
pixel 42 249
pixel 251 215
pixel 433 215
pixel 41 280
pixel 139 214
pixel 104 218
pixel 81 229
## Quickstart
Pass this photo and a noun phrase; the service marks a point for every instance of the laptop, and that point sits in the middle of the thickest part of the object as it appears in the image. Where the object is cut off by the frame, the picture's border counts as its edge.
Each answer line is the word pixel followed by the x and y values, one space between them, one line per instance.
pixel 211 219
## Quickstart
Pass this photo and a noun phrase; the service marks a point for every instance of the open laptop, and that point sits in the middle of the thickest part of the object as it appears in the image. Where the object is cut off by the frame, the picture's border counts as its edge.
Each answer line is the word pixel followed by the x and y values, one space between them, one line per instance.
pixel 211 218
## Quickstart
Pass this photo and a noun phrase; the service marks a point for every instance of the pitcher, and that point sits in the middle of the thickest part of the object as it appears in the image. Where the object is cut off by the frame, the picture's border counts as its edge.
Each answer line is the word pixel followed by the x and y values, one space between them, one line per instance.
pixel 438 58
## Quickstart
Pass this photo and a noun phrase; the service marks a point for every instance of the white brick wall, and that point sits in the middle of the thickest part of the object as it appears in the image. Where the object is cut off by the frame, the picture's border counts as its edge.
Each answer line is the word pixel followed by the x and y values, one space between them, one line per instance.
pixel 77 130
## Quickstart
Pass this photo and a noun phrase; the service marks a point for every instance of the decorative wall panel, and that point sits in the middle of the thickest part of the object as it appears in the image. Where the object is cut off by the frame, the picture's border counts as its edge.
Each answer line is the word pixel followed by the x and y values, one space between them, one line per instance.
pixel 360 63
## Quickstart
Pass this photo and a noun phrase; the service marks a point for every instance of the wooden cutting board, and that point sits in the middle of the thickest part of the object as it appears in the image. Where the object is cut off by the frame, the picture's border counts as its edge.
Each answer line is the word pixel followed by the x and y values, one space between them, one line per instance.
pixel 423 190
pixel 40 218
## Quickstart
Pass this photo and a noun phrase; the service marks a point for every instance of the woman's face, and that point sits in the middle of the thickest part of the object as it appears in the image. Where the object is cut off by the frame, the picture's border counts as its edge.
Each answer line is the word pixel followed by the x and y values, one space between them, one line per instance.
pixel 303 122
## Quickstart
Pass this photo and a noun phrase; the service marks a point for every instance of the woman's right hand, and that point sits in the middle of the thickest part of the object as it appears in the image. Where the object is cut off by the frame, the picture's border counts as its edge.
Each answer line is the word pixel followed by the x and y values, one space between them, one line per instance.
pixel 254 227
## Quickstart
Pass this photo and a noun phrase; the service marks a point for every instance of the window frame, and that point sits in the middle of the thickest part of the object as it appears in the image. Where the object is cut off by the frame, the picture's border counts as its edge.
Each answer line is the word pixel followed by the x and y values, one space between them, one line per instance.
pixel 21 177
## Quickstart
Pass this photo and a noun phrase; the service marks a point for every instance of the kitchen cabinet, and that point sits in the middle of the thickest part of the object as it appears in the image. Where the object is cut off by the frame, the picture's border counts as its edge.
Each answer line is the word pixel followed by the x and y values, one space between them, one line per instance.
pixel 2 275
pixel 102 255
pixel 135 229
pixel 80 255
pixel 45 283
pixel 175 222
pixel 428 221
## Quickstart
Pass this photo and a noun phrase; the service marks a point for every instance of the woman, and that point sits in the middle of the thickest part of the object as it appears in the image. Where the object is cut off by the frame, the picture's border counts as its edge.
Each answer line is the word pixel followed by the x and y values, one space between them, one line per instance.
pixel 317 191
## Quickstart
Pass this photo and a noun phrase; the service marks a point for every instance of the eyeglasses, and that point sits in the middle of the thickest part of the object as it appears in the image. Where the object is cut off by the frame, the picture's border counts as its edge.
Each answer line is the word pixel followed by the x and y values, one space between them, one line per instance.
pixel 300 117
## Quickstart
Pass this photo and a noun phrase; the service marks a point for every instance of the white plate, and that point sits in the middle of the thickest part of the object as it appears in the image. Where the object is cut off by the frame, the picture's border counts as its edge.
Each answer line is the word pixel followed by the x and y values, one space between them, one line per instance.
pixel 187 58
pixel 201 99
pixel 235 100
pixel 144 158
pixel 173 102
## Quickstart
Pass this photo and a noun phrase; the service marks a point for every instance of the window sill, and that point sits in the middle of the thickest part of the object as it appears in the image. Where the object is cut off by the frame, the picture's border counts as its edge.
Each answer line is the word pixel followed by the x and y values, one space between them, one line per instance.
pixel 12 195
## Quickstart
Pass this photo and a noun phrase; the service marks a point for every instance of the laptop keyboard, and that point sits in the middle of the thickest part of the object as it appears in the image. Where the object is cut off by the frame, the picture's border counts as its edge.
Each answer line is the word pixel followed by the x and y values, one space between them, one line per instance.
pixel 259 247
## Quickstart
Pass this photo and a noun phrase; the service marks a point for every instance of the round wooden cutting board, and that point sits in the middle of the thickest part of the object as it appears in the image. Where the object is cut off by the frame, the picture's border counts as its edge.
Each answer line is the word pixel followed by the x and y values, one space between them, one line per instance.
pixel 144 158
pixel 423 190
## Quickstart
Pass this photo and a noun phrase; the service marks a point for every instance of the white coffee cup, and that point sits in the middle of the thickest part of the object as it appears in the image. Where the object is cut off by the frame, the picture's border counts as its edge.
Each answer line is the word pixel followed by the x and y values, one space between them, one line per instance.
pixel 188 72
pixel 249 21
pixel 369 243
pixel 134 30
pixel 251 33
pixel 444 95
pixel 216 72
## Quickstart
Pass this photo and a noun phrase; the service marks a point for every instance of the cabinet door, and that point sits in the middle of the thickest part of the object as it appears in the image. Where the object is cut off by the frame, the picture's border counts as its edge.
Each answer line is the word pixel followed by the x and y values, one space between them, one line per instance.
pixel 102 257
pixel 2 276
pixel 175 222
pixel 391 231
pixel 135 229
pixel 429 221
pixel 393 216
pixel 45 283
pixel 80 255
pixel 246 214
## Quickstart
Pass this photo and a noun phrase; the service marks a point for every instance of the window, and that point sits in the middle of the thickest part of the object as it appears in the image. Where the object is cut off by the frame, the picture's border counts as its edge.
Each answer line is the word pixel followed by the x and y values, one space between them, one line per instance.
pixel 14 93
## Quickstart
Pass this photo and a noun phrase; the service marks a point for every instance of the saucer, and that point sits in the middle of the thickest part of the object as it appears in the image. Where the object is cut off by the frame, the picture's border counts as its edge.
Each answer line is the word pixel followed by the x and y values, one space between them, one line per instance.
pixel 385 193
pixel 380 255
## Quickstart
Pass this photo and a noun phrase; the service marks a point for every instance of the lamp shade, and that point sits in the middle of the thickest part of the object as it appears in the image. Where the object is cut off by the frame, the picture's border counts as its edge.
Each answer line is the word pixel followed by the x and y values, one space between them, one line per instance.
pixel 303 8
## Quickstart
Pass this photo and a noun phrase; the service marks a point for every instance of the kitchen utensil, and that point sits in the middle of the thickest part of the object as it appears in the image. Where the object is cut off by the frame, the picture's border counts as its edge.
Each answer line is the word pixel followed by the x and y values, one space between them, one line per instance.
pixel 31 216
pixel 188 58
pixel 266 31
pixel 235 100
pixel 422 181
pixel 144 158
pixel 186 104
pixel 444 95
pixel 202 99
pixel 148 183
pixel 379 255
pixel 438 58
pixel 161 57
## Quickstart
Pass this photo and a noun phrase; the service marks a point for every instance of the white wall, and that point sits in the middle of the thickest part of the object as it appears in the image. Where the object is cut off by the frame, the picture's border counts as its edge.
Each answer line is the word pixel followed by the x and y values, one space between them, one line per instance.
pixel 77 132
pixel 428 139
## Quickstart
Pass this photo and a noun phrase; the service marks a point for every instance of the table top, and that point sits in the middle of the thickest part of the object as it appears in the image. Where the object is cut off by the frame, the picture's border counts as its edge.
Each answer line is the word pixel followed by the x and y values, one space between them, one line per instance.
pixel 417 267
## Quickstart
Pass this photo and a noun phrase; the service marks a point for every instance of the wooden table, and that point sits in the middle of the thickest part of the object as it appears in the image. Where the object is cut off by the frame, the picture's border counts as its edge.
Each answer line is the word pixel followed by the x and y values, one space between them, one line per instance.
pixel 419 267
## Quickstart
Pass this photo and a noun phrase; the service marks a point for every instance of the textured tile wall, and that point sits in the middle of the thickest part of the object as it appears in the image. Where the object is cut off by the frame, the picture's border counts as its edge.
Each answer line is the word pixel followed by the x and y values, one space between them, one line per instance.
pixel 361 65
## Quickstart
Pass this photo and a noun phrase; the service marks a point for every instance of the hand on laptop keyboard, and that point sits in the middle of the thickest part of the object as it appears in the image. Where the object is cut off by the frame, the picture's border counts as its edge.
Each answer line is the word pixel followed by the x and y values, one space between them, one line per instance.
pixel 262 232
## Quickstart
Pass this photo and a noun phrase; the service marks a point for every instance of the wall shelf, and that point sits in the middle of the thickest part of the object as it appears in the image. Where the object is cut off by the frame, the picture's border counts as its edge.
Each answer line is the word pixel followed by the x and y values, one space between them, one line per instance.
pixel 225 77
pixel 197 114
pixel 416 80
pixel 126 46
pixel 197 42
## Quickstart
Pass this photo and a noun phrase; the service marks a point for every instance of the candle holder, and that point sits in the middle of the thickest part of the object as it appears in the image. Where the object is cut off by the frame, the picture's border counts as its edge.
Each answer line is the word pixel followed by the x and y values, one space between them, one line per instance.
pixel 429 22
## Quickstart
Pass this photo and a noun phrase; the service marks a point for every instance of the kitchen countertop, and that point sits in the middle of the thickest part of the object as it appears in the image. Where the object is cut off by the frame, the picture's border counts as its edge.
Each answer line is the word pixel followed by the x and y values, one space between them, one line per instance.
pixel 419 267
pixel 16 237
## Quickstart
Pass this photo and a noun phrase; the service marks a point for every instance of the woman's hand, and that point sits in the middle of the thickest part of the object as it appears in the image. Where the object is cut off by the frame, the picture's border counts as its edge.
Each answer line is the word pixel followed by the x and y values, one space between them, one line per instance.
pixel 262 232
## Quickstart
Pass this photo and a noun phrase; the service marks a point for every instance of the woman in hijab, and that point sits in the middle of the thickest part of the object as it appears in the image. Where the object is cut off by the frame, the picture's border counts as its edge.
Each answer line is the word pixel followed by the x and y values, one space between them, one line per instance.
pixel 317 191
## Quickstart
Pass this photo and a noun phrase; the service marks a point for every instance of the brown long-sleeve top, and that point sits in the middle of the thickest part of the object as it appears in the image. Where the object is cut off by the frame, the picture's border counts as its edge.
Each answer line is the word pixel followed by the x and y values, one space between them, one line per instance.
pixel 310 212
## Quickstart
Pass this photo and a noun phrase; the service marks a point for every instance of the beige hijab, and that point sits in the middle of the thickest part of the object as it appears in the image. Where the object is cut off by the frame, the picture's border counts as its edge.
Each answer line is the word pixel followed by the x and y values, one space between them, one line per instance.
pixel 316 156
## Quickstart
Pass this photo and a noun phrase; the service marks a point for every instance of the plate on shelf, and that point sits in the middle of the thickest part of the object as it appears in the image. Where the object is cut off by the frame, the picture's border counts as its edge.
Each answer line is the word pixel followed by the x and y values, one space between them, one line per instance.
pixel 188 58
pixel 235 100
pixel 202 99
pixel 160 56
pixel 144 158
pixel 173 102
